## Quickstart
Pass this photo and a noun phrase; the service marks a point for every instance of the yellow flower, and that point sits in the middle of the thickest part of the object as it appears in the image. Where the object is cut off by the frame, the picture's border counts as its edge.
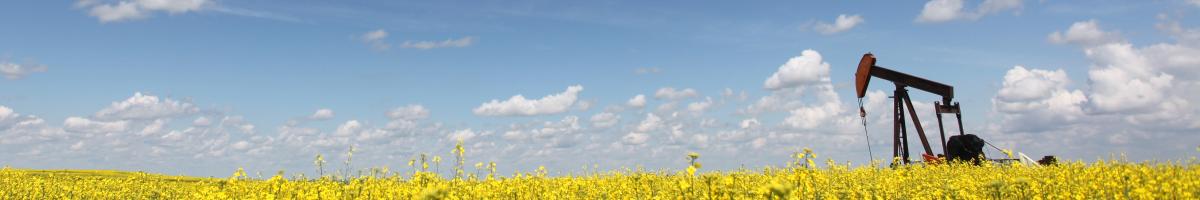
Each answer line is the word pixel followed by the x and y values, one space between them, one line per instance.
pixel 1104 179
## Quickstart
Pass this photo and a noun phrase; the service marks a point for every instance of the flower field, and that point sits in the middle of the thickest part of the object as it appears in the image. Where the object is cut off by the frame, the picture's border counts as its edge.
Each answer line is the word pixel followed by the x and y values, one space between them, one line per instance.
pixel 801 180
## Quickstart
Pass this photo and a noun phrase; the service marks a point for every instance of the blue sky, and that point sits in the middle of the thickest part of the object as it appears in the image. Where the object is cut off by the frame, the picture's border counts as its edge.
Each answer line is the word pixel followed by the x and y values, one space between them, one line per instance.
pixel 201 87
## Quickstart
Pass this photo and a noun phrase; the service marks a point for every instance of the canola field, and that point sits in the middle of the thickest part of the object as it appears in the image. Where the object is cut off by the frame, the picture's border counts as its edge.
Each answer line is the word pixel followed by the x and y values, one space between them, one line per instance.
pixel 801 179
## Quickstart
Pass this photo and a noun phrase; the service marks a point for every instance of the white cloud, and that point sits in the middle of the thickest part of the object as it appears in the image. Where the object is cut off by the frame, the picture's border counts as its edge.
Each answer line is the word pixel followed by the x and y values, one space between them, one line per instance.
pixel 124 10
pixel 700 106
pixel 672 94
pixel 376 39
pixel 173 6
pixel 1037 99
pixel 635 138
pixel 1086 33
pixel 409 112
pixel 13 71
pixel 552 130
pixel 201 121
pixel 1147 85
pixel 651 123
pixel 238 123
pixel 808 68
pixel 519 106
pixel 841 24
pixel 749 123
pixel 406 117
pixel 141 106
pixel 583 105
pixel 7 115
pixel 321 114
pixel 349 128
pixel 941 10
pixel 810 117
pixel 667 107
pixel 77 146
pixel 1123 80
pixel 605 119
pixel 1137 100
pixel 15 127
pixel 1021 84
pixel 154 127
pixel 638 101
pixel 802 88
pixel 448 43
pixel 84 125
pixel 462 135
pixel 949 10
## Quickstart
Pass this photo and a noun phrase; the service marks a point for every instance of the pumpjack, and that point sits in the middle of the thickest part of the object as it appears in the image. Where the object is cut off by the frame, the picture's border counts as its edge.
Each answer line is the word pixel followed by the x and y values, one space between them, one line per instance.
pixel 963 146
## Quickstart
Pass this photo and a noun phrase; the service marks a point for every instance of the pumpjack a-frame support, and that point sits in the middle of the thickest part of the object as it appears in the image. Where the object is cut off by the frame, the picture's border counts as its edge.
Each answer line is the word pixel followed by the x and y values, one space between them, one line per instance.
pixel 901 102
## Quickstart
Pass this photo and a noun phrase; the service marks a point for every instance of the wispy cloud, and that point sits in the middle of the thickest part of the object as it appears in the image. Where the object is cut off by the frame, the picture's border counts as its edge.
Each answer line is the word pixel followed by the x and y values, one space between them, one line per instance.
pixel 448 43
pixel 376 39
pixel 14 71
pixel 255 14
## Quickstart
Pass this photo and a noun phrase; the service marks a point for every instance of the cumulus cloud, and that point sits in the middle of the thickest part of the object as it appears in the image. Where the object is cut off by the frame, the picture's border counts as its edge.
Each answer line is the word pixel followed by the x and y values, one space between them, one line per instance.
pixel 448 43
pixel 406 117
pixel 749 123
pixel 348 128
pixel 810 117
pixel 638 101
pixel 141 106
pixel 1086 33
pixel 1128 80
pixel 700 106
pixel 125 10
pixel 462 135
pixel 842 23
pixel 519 106
pixel 154 127
pixel 634 138
pixel 605 119
pixel 651 123
pixel 808 68
pixel 801 87
pixel 7 115
pixel 1123 80
pixel 1134 96
pixel 1037 100
pixel 1021 84
pixel 14 126
pixel 949 10
pixel 321 114
pixel 13 71
pixel 672 94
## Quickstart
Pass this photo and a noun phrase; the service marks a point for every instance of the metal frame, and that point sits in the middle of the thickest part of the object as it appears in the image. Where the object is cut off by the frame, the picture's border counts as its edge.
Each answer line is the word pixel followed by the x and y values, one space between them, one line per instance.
pixel 902 102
